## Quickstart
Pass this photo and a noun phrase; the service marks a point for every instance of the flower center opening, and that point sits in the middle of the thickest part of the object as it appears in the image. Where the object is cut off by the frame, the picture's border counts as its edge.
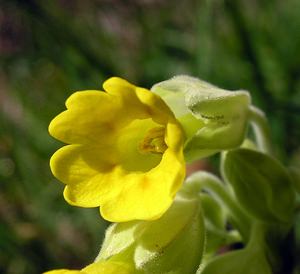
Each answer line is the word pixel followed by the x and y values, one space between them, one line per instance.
pixel 154 141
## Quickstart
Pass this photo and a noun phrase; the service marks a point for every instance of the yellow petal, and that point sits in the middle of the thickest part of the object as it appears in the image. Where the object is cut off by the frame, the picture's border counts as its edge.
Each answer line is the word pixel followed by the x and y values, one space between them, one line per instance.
pixel 148 195
pixel 91 114
pixel 174 137
pixel 104 267
pixel 95 191
pixel 108 267
pixel 76 163
pixel 132 107
pixel 63 271
pixel 142 102
pixel 86 170
pixel 157 108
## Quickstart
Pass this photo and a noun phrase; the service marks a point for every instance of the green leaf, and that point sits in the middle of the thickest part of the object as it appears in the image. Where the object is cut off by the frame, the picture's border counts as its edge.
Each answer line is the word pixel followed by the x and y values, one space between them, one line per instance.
pixel 253 259
pixel 214 119
pixel 261 185
pixel 246 261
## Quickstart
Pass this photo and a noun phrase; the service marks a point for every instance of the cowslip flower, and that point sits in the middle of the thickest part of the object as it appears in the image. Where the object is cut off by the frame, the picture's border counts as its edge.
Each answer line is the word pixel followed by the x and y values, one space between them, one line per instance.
pixel 103 267
pixel 124 152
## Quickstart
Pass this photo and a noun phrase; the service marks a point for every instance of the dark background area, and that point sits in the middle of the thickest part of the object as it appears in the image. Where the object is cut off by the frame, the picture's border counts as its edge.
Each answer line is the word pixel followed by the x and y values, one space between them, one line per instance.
pixel 49 49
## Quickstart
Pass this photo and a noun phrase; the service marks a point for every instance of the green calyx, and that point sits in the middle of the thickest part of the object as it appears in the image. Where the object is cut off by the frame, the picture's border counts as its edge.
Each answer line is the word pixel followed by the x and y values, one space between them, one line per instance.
pixel 214 119
pixel 172 244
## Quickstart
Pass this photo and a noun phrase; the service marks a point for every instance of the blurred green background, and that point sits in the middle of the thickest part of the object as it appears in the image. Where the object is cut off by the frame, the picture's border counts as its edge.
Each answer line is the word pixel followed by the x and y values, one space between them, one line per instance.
pixel 49 49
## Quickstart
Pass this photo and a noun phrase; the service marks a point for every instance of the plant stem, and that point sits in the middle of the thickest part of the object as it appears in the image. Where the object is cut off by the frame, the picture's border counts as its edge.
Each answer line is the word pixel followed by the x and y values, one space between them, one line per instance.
pixel 205 181
pixel 261 129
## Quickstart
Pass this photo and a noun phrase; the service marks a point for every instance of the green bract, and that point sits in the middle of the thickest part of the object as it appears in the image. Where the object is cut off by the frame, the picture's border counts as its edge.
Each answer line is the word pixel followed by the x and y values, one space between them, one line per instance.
pixel 172 244
pixel 261 184
pixel 213 119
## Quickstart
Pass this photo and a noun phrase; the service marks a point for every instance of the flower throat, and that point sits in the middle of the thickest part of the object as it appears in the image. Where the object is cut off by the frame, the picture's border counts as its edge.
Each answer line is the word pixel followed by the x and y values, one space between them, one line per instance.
pixel 154 141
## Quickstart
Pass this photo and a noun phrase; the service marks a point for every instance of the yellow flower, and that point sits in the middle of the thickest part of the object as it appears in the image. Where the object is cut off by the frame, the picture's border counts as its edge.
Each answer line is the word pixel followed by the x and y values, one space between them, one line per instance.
pixel 124 153
pixel 103 267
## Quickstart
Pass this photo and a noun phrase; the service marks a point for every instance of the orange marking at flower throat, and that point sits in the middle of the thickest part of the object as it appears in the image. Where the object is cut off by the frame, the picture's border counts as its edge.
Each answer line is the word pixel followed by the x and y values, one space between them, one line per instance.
pixel 154 141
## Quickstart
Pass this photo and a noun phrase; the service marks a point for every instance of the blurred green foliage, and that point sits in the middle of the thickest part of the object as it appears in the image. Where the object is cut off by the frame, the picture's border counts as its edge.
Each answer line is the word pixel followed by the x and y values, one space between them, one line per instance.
pixel 49 49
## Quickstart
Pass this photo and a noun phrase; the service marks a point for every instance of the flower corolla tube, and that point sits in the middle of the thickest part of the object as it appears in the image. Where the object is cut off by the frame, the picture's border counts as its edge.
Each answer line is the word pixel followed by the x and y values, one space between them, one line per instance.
pixel 124 151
